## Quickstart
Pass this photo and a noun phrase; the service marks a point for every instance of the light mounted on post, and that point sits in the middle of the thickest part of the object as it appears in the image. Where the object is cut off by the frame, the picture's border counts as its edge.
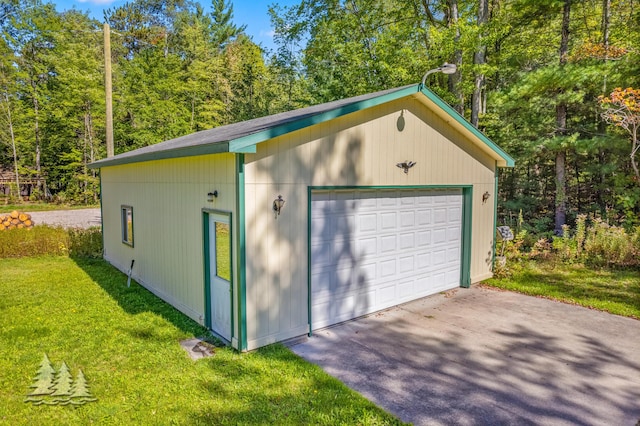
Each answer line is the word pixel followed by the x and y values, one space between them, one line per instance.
pixel 446 68
pixel 277 205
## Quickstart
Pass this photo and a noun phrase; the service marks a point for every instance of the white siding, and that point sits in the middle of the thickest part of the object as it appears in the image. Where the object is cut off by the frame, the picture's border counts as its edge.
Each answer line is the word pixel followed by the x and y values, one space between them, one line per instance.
pixel 167 197
pixel 360 149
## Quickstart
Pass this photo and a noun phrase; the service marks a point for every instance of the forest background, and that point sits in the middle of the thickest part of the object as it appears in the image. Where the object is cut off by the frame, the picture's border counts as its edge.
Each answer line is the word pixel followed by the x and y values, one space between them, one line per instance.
pixel 539 77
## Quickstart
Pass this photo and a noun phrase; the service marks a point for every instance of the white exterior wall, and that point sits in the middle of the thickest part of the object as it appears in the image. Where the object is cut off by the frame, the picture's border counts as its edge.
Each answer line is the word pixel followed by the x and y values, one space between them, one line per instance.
pixel 167 197
pixel 360 149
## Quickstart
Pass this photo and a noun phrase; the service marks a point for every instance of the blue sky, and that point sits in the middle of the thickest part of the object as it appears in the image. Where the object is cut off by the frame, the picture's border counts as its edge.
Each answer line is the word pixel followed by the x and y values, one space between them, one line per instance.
pixel 252 13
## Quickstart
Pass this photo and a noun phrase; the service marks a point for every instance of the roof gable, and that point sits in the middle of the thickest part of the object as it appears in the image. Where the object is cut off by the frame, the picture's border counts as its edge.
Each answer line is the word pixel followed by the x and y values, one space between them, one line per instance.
pixel 244 136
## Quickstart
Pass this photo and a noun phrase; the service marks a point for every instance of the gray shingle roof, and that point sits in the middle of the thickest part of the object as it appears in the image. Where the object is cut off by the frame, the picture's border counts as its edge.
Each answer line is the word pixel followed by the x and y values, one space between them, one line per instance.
pixel 218 139
pixel 244 136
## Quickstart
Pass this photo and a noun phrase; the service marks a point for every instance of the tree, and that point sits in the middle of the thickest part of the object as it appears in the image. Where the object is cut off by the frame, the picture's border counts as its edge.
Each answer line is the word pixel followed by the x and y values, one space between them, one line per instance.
pixel 622 109
pixel 7 105
pixel 479 59
pixel 223 30
pixel 561 128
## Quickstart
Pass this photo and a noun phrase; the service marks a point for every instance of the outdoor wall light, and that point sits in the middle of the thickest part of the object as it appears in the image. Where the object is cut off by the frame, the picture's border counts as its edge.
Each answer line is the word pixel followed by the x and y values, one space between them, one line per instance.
pixel 277 205
pixel 485 197
pixel 212 196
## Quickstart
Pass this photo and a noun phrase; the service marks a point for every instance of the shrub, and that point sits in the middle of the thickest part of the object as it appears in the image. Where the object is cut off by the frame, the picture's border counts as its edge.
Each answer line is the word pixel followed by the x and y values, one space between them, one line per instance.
pixel 611 245
pixel 38 241
pixel 85 242
pixel 593 241
pixel 45 240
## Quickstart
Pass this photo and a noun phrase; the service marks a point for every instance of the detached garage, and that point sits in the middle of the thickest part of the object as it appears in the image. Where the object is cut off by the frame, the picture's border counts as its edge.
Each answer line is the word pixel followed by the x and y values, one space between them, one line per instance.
pixel 271 228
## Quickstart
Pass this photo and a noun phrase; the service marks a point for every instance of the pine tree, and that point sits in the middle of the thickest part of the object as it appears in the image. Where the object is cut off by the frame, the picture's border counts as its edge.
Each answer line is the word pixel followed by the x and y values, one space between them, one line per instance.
pixel 80 393
pixel 62 385
pixel 42 383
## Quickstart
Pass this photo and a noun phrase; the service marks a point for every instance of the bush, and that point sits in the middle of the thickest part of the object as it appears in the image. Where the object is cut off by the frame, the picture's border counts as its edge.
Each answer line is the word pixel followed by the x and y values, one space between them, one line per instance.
pixel 593 242
pixel 45 240
pixel 611 245
pixel 85 242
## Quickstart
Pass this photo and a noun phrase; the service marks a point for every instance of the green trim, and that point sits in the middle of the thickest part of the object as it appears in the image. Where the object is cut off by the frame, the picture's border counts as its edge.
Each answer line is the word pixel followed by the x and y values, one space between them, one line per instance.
pixel 348 187
pixel 242 248
pixel 467 218
pixel 247 144
pixel 495 218
pixel 131 241
pixel 204 149
pixel 206 213
pixel 460 119
pixel 237 145
pixel 104 251
pixel 207 269
pixel 309 318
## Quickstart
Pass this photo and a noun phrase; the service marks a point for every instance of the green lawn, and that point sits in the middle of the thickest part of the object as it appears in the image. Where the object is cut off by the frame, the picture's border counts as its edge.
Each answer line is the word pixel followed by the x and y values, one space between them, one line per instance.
pixel 125 340
pixel 615 291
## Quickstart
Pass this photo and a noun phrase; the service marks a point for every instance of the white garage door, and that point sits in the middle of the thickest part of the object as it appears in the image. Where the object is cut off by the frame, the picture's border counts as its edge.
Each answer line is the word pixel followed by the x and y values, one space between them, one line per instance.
pixel 373 249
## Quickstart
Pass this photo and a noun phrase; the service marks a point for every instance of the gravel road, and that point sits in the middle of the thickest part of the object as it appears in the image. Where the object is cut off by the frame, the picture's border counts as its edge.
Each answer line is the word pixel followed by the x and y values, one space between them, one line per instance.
pixel 81 218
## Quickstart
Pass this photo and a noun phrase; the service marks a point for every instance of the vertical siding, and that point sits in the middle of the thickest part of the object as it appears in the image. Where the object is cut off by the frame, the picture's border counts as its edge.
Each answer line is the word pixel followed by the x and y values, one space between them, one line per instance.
pixel 167 198
pixel 359 149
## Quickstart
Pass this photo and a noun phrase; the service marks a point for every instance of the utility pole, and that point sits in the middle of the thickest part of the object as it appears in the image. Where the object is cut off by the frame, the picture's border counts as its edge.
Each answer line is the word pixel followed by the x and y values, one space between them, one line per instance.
pixel 108 90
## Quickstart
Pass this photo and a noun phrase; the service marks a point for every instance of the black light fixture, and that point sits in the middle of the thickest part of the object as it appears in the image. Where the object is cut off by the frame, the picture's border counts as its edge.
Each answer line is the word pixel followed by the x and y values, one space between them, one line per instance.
pixel 277 205
pixel 212 196
pixel 485 197
pixel 406 166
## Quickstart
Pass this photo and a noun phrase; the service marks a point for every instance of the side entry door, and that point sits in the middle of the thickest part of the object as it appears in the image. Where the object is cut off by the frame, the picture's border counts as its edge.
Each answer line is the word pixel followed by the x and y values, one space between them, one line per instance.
pixel 220 274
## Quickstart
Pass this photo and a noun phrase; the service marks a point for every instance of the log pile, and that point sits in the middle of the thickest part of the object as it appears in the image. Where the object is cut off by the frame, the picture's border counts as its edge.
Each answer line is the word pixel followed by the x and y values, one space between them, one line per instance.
pixel 15 220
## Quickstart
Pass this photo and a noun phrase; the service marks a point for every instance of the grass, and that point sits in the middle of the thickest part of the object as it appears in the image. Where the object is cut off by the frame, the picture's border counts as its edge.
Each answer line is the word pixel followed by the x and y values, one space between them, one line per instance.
pixel 614 291
pixel 125 340
pixel 40 207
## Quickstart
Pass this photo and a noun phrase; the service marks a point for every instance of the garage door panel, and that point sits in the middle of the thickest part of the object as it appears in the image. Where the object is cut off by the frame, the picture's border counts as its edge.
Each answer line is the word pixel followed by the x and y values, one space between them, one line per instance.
pixel 423 260
pixel 388 243
pixel 453 233
pixel 386 294
pixel 367 222
pixel 407 219
pixel 407 264
pixel 440 215
pixel 322 253
pixel 366 247
pixel 406 289
pixel 388 221
pixel 388 268
pixel 385 247
pixel 423 217
pixel 439 236
pixel 390 200
pixel 454 255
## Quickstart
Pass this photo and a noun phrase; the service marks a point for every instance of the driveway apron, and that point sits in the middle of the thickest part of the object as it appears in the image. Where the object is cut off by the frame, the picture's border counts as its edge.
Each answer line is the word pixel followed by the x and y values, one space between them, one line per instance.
pixel 483 356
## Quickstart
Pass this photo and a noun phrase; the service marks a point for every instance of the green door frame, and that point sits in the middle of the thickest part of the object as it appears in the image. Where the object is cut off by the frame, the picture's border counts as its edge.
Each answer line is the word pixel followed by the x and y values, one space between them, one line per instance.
pixel 467 218
pixel 207 266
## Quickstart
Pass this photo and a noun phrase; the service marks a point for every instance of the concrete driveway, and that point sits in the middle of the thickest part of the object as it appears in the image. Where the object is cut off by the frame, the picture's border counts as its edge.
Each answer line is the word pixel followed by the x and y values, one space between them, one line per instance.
pixel 485 357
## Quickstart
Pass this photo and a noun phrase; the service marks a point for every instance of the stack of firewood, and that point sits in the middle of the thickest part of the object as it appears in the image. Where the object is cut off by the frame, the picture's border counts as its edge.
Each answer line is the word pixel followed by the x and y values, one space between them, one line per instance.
pixel 15 220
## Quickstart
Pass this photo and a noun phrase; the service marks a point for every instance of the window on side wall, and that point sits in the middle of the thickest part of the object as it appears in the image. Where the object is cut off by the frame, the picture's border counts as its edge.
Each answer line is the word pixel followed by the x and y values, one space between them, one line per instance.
pixel 127 225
